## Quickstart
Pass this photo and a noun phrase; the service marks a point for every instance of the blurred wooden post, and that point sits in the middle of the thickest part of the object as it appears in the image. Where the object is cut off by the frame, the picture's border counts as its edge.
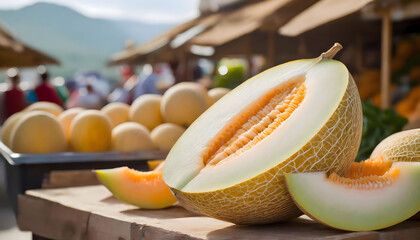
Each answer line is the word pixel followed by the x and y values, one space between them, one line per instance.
pixel 248 53
pixel 386 57
pixel 271 48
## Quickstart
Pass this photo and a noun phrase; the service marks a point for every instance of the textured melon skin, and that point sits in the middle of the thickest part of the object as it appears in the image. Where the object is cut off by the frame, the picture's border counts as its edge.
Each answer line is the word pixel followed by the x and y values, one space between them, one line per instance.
pixel 264 198
pixel 400 147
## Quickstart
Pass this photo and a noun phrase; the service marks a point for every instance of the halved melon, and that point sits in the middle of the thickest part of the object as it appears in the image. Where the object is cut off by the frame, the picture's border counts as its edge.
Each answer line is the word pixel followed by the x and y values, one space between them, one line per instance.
pixel 374 194
pixel 142 189
pixel 297 117
pixel 401 146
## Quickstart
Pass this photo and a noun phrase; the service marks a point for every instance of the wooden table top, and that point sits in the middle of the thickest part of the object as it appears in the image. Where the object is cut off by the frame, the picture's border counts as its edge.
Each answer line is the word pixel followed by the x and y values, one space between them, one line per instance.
pixel 91 212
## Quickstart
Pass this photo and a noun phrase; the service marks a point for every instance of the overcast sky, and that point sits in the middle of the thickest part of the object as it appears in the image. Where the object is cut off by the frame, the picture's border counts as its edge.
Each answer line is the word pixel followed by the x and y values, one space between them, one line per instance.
pixel 162 11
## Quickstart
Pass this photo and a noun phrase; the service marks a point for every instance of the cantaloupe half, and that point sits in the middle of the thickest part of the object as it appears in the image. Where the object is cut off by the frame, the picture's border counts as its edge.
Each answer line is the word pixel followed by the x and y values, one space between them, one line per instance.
pixel 297 117
pixel 374 194
pixel 401 146
pixel 142 189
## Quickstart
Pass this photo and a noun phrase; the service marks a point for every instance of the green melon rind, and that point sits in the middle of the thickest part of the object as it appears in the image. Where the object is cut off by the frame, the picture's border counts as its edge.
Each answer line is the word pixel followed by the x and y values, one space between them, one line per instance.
pixel 336 213
pixel 264 198
pixel 402 146
pixel 109 178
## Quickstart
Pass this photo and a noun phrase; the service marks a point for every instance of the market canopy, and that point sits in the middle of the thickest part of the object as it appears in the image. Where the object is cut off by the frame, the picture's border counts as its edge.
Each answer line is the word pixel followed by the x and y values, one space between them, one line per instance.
pixel 320 13
pixel 214 29
pixel 15 54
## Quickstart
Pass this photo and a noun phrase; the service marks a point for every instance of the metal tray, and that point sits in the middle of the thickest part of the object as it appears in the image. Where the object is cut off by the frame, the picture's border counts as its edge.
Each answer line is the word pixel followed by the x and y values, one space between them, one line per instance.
pixel 28 171
pixel 64 157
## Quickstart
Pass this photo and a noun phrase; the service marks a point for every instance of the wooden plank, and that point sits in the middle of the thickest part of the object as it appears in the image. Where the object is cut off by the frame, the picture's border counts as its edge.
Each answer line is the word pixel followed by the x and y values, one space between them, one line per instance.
pixel 91 212
pixel 70 178
pixel 49 219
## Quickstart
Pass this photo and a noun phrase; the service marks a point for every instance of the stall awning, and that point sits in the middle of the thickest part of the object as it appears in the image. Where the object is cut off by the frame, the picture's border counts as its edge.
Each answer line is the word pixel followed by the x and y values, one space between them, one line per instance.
pixel 215 29
pixel 15 54
pixel 320 13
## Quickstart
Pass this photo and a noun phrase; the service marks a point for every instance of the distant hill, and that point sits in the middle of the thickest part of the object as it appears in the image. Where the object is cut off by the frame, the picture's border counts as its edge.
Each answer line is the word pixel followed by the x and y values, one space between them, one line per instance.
pixel 77 41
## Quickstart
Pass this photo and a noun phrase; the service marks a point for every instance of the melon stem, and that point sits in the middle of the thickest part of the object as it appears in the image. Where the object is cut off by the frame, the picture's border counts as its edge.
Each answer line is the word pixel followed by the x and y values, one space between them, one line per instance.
pixel 331 52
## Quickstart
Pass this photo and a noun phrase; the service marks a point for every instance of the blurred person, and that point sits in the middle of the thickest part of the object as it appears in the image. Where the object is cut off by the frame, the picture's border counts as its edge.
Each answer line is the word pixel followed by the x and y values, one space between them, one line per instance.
pixel 86 97
pixel 44 91
pixel 122 92
pixel 146 82
pixel 14 98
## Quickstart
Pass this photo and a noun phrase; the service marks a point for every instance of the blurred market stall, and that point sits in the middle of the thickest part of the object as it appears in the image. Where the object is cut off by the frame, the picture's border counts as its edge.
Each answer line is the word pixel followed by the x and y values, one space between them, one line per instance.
pixel 13 53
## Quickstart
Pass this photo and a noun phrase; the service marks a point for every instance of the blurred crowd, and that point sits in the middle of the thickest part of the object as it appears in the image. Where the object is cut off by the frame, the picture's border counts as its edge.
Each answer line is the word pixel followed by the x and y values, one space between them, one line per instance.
pixel 90 90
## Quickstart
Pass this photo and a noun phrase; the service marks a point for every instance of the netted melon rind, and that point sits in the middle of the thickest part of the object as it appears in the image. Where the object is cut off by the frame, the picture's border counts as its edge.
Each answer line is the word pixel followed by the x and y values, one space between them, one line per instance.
pixel 400 147
pixel 264 198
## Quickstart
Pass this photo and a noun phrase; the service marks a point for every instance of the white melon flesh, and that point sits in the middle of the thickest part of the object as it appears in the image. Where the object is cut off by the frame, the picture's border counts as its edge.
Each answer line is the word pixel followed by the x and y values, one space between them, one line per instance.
pixel 358 209
pixel 321 134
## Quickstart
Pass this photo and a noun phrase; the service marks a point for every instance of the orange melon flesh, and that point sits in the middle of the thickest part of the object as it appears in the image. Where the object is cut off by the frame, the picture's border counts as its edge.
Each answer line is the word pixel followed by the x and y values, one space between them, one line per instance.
pixel 142 189
pixel 374 194
pixel 256 123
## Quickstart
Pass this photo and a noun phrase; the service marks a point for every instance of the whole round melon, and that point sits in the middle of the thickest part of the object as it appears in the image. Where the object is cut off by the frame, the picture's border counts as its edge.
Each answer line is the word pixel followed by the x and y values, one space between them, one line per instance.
pixel 117 112
pixel 182 104
pixel 217 93
pixel 146 110
pixel 50 107
pixel 38 132
pixel 300 116
pixel 131 136
pixel 90 131
pixel 400 147
pixel 199 87
pixel 6 129
pixel 67 117
pixel 165 135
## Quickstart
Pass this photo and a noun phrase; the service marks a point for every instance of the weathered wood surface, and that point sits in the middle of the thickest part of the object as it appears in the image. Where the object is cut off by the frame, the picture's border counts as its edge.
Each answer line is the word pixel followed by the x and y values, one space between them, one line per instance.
pixel 69 178
pixel 92 213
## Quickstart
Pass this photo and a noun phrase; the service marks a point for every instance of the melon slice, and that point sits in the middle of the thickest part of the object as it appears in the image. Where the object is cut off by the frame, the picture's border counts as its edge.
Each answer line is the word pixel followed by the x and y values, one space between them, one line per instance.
pixel 373 195
pixel 142 189
pixel 297 117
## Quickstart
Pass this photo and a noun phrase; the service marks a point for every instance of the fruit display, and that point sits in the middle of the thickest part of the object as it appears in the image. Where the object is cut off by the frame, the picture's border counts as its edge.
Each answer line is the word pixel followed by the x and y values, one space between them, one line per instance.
pixel 117 112
pixel 38 132
pixel 131 136
pixel 142 189
pixel 113 129
pixel 50 107
pixel 297 117
pixel 146 110
pixel 404 91
pixel 374 194
pixel 67 117
pixel 230 73
pixel 182 104
pixel 90 131
pixel 216 93
pixel 7 128
pixel 165 135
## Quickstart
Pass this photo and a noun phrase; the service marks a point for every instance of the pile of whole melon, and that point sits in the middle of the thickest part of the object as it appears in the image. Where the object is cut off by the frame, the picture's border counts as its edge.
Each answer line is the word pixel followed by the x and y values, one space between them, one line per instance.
pixel 282 144
pixel 152 122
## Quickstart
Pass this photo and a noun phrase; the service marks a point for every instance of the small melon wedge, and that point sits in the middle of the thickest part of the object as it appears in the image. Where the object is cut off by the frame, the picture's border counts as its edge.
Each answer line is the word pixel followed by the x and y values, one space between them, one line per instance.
pixel 153 164
pixel 142 189
pixel 364 200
